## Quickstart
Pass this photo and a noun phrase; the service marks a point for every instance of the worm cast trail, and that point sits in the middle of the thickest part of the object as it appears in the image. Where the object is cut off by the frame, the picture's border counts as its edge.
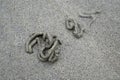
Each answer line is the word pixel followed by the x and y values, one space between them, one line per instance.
pixel 50 51
pixel 74 27
pixel 31 42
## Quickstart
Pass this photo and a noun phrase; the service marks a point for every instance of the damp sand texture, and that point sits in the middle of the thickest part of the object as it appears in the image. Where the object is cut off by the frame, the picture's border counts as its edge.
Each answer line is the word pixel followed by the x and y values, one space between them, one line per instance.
pixel 94 56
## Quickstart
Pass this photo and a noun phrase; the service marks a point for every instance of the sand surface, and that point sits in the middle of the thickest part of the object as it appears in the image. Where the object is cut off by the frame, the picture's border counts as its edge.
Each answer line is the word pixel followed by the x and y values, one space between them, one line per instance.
pixel 95 56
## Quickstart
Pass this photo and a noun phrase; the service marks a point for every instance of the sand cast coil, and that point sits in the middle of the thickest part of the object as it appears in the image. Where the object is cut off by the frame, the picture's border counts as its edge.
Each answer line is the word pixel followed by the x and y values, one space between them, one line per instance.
pixel 51 49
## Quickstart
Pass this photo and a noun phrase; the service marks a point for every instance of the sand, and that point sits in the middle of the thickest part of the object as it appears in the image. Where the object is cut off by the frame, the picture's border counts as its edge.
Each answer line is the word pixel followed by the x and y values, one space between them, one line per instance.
pixel 95 56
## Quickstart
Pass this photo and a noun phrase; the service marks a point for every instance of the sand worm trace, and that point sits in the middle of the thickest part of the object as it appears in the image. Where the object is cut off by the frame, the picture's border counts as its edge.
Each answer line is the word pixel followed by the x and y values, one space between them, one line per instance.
pixel 74 27
pixel 50 51
pixel 31 42
pixel 90 15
